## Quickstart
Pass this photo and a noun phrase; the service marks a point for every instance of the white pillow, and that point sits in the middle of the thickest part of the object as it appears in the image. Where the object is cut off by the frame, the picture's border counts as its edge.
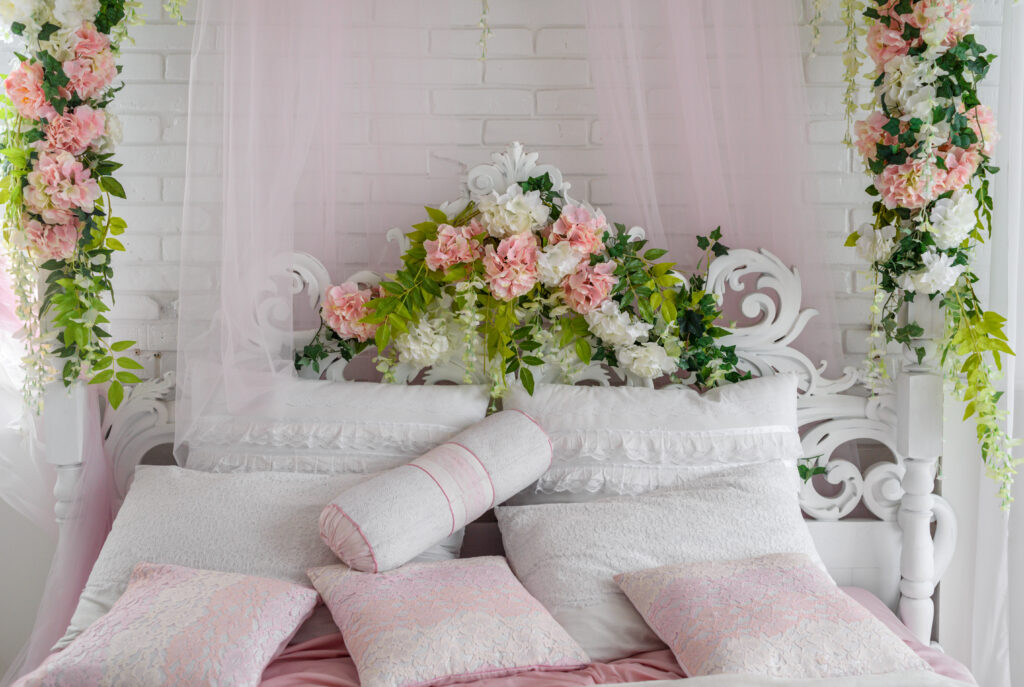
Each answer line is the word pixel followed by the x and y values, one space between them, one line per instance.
pixel 628 440
pixel 260 523
pixel 332 427
pixel 566 554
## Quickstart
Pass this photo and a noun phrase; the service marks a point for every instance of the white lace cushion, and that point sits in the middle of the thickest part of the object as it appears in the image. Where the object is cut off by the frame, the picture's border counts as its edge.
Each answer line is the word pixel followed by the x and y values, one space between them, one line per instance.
pixel 779 616
pixel 628 440
pixel 176 625
pixel 385 521
pixel 259 523
pixel 438 623
pixel 327 427
pixel 566 554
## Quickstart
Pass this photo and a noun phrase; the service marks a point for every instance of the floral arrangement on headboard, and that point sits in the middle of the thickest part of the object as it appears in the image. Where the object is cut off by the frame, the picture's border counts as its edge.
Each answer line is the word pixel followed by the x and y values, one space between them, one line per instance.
pixel 927 145
pixel 58 142
pixel 525 276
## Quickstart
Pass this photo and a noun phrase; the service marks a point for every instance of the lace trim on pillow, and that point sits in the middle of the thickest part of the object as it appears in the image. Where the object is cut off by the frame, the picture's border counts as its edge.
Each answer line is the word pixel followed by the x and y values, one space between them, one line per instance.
pixel 666 447
pixel 620 479
pixel 244 459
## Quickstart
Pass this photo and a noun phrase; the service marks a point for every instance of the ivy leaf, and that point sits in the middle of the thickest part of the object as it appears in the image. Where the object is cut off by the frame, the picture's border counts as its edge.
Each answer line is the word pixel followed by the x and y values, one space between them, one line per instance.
pixel 47 30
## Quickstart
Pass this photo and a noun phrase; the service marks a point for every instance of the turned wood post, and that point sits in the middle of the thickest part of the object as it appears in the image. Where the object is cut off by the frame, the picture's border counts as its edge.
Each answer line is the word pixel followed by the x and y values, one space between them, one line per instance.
pixel 919 411
pixel 64 415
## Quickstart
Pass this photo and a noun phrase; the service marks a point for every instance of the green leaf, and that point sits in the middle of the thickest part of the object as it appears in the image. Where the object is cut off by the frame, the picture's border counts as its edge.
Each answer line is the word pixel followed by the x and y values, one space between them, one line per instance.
pixel 114 244
pixel 119 346
pixel 583 351
pixel 128 378
pixel 526 377
pixel 47 30
pixel 532 360
pixel 18 29
pixel 102 377
pixel 112 186
pixel 654 253
pixel 129 363
pixel 436 215
pixel 115 394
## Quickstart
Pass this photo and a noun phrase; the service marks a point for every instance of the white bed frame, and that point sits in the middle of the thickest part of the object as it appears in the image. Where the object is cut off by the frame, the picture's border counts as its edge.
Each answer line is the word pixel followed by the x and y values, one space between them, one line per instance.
pixel 888 546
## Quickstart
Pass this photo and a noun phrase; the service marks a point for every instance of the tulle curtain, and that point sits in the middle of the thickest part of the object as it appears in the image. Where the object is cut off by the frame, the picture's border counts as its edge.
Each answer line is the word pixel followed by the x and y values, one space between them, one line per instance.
pixel 704 119
pixel 309 127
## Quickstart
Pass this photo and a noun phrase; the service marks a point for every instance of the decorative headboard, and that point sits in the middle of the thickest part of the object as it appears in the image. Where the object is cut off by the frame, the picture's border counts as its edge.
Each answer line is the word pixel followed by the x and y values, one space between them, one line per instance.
pixel 872 525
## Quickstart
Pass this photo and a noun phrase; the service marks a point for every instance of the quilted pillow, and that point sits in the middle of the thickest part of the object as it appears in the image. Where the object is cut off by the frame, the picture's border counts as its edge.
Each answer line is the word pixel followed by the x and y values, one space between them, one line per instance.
pixel 179 626
pixel 777 615
pixel 387 520
pixel 432 623
pixel 628 440
pixel 331 427
pixel 567 553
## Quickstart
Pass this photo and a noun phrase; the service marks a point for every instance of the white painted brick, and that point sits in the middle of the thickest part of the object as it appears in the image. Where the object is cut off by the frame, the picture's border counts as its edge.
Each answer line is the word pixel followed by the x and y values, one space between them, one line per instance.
pixel 537 72
pixel 466 42
pixel 152 159
pixel 141 128
pixel 176 67
pixel 139 248
pixel 162 337
pixel 539 132
pixel 573 102
pixel 142 67
pixel 482 101
pixel 827 69
pixel 551 13
pixel 826 131
pixel 140 189
pixel 563 42
pixel 135 307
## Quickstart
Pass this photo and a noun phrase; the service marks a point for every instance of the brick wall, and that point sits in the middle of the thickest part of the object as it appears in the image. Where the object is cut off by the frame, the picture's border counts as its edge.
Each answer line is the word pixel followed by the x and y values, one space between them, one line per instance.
pixel 534 87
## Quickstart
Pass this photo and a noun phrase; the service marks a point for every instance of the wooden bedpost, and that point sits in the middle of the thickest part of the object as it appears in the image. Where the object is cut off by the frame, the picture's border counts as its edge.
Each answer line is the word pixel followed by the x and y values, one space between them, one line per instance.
pixel 64 416
pixel 919 439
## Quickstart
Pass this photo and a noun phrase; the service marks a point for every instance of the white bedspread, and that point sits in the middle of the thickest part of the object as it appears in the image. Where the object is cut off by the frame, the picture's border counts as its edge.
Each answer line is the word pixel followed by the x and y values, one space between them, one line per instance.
pixel 904 679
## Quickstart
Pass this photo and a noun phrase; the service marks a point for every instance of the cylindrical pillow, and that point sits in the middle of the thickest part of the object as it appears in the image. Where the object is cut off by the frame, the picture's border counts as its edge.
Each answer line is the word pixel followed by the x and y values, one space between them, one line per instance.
pixel 389 519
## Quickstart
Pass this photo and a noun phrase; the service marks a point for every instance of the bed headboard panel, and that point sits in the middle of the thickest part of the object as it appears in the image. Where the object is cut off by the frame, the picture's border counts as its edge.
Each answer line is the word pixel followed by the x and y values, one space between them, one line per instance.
pixel 872 525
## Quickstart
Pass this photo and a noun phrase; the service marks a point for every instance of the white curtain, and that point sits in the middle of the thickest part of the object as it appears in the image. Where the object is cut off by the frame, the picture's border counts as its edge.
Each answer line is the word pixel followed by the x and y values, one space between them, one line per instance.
pixel 997 626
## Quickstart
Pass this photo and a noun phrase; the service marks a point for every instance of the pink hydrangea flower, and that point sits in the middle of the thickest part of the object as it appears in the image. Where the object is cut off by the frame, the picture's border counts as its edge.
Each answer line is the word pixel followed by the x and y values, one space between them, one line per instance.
pixel 982 121
pixel 582 229
pixel 62 182
pixel 93 68
pixel 512 268
pixel 588 287
pixel 454 245
pixel 869 134
pixel 90 41
pixel 884 43
pixel 345 306
pixel 911 185
pixel 960 167
pixel 76 131
pixel 52 241
pixel 25 88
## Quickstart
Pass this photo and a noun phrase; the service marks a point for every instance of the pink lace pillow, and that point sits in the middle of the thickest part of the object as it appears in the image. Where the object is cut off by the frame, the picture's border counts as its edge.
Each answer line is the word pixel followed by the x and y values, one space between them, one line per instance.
pixel 176 625
pixel 776 615
pixel 452 621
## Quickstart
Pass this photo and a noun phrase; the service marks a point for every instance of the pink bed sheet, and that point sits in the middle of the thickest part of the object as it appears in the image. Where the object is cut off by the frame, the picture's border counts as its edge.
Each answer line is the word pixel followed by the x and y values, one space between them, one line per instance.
pixel 324 662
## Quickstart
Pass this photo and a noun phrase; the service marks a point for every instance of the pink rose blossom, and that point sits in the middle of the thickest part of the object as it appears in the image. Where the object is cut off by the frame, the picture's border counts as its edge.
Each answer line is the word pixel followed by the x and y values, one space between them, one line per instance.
pixel 52 241
pixel 76 131
pixel 90 41
pixel 454 245
pixel 960 167
pixel 911 185
pixel 983 122
pixel 343 308
pixel 88 76
pixel 25 88
pixel 869 134
pixel 885 43
pixel 583 230
pixel 60 182
pixel 512 268
pixel 588 287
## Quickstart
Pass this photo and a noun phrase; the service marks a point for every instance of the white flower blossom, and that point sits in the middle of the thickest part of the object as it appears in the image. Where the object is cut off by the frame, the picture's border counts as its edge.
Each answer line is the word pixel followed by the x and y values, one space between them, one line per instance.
pixel 908 85
pixel 648 360
pixel 18 11
pixel 615 327
pixel 424 344
pixel 952 219
pixel 938 276
pixel 74 12
pixel 112 136
pixel 557 262
pixel 513 212
pixel 938 26
pixel 876 246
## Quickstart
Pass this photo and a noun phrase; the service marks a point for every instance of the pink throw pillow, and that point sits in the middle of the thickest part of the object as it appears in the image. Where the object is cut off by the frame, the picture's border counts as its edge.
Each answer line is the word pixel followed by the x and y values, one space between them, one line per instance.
pixel 179 626
pixel 439 623
pixel 776 615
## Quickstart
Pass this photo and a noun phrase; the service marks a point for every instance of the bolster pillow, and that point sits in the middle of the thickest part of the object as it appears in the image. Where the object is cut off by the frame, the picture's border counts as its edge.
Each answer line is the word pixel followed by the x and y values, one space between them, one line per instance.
pixel 389 519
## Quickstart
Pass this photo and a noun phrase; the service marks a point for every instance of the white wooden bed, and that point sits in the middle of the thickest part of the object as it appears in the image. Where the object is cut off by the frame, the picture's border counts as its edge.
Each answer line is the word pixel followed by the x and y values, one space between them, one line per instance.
pixel 873 527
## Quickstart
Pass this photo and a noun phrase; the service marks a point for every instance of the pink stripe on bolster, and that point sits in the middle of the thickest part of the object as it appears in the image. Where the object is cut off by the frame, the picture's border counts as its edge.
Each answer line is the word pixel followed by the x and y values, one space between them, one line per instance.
pixel 482 467
pixel 446 497
pixel 551 446
pixel 337 543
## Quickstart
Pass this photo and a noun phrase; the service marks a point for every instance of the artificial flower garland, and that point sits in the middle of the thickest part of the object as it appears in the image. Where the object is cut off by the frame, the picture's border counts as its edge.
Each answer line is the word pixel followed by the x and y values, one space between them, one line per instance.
pixel 927 144
pixel 58 144
pixel 526 279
